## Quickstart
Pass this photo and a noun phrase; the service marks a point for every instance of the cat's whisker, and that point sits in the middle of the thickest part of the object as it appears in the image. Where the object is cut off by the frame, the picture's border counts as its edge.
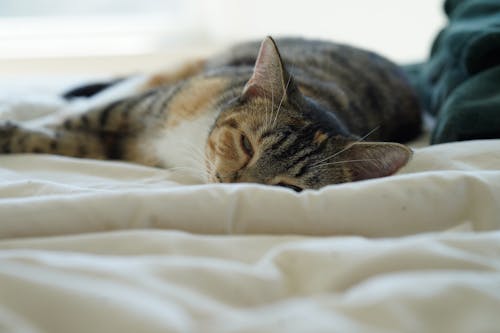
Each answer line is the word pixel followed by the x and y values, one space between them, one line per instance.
pixel 268 112
pixel 199 157
pixel 204 160
pixel 184 168
pixel 211 165
pixel 193 153
pixel 194 148
pixel 271 111
pixel 197 153
pixel 269 120
pixel 334 155
pixel 343 162
pixel 196 158
pixel 282 99
pixel 347 147
pixel 191 146
pixel 369 133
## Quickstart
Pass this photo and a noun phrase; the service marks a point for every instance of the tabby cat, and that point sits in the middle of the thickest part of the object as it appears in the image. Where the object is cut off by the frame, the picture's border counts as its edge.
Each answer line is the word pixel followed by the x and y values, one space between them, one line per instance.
pixel 301 117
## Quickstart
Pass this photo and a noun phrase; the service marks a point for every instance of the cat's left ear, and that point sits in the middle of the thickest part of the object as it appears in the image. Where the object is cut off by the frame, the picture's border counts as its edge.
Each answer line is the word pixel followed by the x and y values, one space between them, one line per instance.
pixel 376 159
pixel 270 78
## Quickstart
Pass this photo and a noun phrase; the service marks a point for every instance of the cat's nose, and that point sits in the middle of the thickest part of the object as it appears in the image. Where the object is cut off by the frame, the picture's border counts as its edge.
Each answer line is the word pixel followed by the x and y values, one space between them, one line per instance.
pixel 248 178
pixel 219 177
pixel 237 177
pixel 228 178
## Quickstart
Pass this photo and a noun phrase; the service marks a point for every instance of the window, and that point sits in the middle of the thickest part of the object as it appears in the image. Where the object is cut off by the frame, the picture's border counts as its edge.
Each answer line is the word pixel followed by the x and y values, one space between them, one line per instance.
pixel 43 29
pixel 60 28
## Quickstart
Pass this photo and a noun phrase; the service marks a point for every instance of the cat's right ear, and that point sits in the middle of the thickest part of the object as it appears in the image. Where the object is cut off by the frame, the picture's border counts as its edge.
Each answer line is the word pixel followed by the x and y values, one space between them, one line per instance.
pixel 270 78
pixel 376 159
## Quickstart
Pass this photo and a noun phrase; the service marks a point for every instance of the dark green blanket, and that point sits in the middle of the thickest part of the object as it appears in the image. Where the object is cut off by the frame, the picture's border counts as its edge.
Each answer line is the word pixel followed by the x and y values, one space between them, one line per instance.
pixel 460 83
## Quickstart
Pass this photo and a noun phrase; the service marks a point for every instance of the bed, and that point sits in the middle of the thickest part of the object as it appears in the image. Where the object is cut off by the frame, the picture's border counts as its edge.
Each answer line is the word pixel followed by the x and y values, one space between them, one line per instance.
pixel 101 246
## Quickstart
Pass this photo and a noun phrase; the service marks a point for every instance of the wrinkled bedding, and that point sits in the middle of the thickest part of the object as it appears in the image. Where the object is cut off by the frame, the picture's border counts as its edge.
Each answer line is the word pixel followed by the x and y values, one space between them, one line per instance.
pixel 96 246
pixel 444 186
pixel 166 281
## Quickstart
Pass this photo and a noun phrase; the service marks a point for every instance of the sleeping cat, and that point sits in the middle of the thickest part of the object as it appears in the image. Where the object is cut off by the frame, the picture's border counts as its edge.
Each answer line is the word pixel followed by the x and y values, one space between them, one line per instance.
pixel 293 113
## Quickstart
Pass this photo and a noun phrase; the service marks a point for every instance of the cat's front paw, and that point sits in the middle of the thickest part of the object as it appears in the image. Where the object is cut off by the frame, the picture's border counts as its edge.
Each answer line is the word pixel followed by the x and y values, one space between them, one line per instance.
pixel 8 131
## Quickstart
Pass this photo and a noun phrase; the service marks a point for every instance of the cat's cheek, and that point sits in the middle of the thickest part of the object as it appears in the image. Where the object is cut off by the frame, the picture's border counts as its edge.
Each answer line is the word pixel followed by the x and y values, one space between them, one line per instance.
pixel 224 153
pixel 216 164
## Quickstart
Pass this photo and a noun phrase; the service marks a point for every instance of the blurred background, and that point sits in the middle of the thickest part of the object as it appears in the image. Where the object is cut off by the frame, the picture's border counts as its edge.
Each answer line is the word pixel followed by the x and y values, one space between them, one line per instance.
pixel 123 36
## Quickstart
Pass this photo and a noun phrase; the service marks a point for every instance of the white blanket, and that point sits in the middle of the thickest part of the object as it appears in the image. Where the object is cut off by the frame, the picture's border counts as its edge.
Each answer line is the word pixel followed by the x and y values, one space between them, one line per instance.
pixel 434 268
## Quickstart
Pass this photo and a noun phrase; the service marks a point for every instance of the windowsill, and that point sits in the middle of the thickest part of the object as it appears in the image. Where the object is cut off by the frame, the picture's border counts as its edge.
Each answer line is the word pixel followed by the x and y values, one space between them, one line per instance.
pixel 97 45
pixel 113 65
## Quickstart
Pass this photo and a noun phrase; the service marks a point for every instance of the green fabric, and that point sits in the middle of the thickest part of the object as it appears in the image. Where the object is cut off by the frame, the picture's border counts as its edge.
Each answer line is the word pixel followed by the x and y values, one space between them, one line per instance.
pixel 460 83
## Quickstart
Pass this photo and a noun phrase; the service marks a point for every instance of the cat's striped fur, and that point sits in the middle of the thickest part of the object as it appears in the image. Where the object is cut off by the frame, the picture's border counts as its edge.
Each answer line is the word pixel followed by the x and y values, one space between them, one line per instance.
pixel 294 119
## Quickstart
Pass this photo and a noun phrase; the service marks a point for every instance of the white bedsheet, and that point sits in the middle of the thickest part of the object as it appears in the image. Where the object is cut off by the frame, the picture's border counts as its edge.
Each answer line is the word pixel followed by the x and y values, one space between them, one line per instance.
pixel 444 186
pixel 416 252
pixel 165 281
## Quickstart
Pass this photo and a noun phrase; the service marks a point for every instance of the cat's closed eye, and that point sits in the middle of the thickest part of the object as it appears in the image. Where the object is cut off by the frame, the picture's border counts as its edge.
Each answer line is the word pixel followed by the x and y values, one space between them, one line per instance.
pixel 290 186
pixel 247 145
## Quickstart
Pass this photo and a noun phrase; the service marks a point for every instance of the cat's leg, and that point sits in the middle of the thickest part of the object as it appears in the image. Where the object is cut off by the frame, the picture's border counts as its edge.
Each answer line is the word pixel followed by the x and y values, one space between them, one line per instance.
pixel 90 89
pixel 15 138
pixel 122 117
pixel 112 131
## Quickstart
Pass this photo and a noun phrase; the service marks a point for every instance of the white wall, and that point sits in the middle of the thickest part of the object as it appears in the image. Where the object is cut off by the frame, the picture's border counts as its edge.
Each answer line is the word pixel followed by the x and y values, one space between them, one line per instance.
pixel 401 29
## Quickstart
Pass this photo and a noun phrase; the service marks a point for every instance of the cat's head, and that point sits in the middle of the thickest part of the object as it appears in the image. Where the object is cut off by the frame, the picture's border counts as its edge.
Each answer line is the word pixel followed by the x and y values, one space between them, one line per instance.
pixel 274 135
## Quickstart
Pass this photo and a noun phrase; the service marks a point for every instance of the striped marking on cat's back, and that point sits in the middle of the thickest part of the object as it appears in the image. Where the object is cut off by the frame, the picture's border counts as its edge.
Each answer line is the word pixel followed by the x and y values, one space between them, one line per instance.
pixel 198 96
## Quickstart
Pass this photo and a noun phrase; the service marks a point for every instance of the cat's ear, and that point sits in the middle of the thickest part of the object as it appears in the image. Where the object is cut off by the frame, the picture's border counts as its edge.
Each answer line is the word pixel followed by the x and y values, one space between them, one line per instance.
pixel 376 159
pixel 270 78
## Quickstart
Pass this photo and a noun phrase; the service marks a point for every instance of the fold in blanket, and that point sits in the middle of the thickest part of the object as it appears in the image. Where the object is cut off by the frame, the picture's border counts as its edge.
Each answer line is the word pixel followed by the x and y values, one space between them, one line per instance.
pixel 444 186
pixel 460 82
pixel 164 281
